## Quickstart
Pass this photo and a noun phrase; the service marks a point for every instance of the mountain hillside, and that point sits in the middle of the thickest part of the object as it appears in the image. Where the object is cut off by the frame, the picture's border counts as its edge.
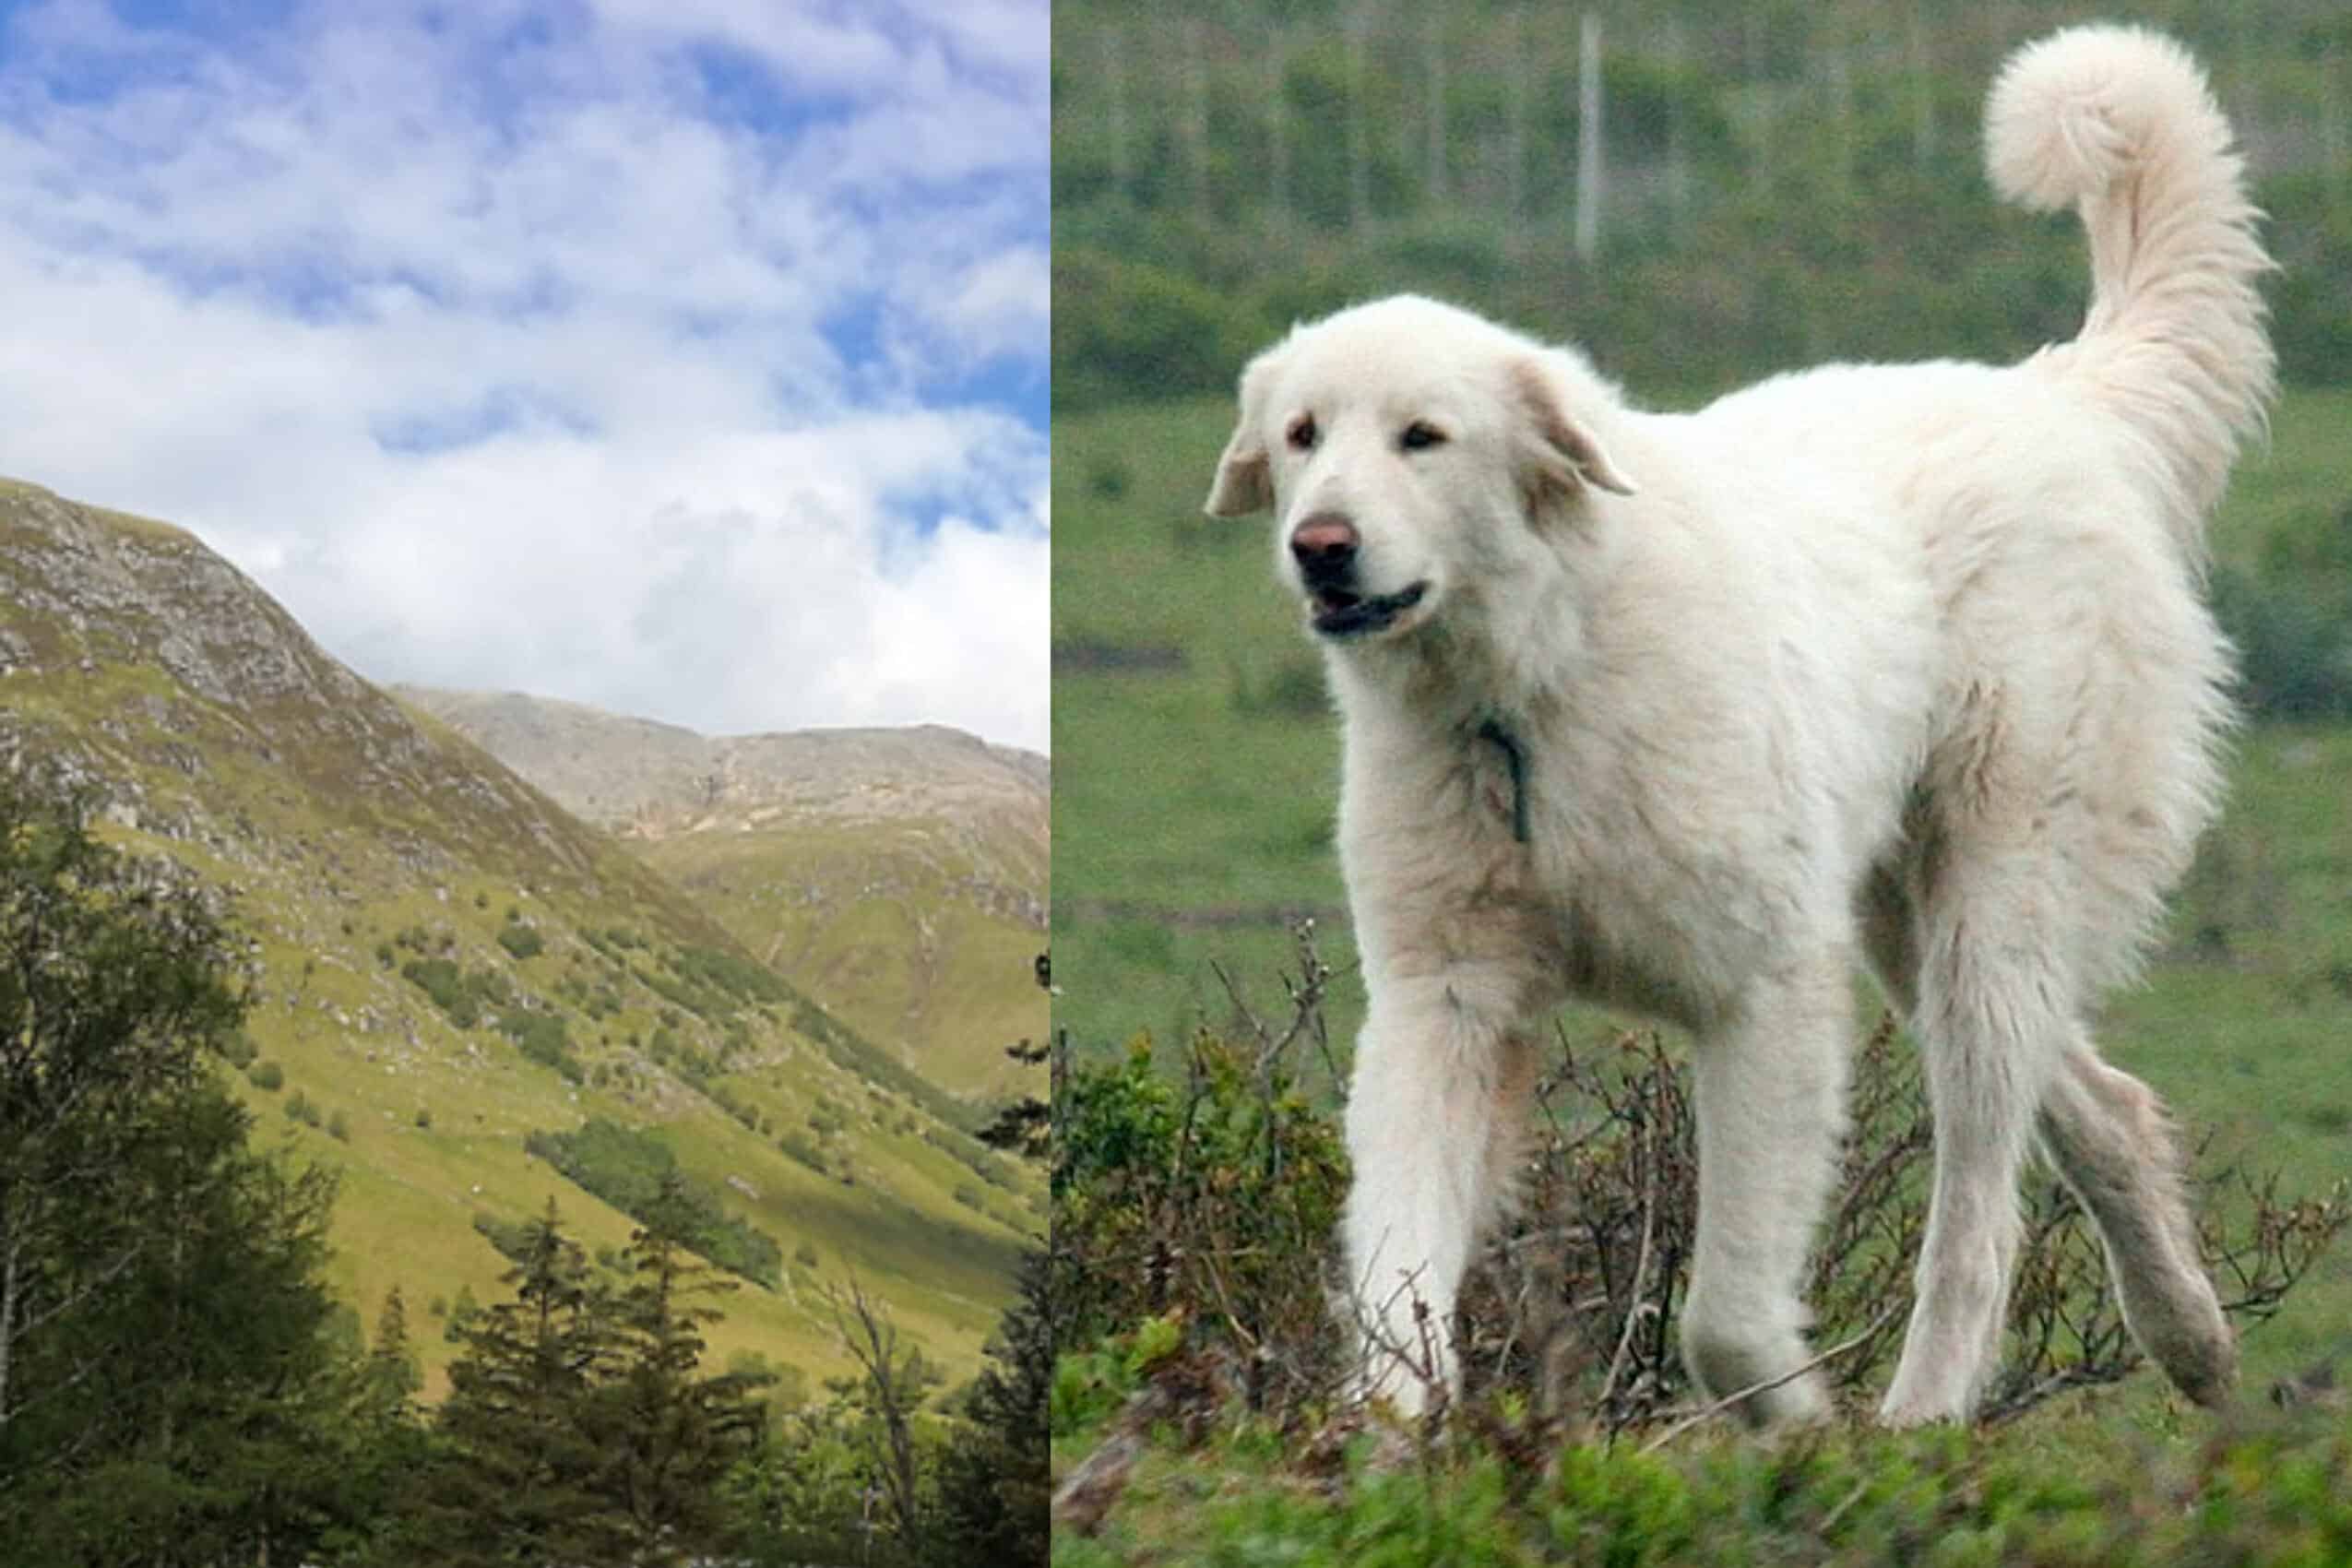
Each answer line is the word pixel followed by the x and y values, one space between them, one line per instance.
pixel 444 962
pixel 898 875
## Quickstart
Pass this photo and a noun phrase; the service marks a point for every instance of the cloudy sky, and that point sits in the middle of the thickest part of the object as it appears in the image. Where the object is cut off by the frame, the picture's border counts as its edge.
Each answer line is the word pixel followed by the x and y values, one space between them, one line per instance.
pixel 684 357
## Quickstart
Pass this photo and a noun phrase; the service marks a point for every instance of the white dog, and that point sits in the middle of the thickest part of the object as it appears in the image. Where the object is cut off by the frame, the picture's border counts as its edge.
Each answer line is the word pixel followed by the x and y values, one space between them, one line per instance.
pixel 1688 713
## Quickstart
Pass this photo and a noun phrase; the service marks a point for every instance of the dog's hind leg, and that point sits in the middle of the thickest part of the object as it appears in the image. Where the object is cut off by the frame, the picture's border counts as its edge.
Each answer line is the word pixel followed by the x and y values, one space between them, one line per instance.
pixel 1434 1114
pixel 1770 1085
pixel 1996 1008
pixel 2108 1135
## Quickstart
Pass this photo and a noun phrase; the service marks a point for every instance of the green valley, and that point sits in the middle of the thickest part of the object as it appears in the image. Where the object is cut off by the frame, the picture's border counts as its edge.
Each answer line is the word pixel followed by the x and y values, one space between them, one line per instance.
pixel 441 962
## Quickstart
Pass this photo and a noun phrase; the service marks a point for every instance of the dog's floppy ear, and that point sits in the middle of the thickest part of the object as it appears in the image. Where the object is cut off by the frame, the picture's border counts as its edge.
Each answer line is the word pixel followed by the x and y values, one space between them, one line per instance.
pixel 1566 454
pixel 1244 481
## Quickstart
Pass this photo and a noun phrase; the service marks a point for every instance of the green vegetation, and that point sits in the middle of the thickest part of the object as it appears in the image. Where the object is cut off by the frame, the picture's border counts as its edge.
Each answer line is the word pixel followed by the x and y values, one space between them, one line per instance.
pixel 859 1055
pixel 522 941
pixel 544 1038
pixel 914 935
pixel 2266 1489
pixel 168 1388
pixel 178 1386
pixel 1785 184
pixel 634 1171
pixel 1193 1236
pixel 462 995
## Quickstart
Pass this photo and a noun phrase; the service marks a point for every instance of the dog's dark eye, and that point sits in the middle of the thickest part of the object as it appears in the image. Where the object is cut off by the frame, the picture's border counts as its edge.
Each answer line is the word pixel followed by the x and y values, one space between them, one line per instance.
pixel 1302 432
pixel 1420 435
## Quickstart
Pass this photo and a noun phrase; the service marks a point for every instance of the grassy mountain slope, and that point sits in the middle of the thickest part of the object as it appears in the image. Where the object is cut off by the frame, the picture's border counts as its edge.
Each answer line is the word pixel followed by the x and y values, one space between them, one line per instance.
pixel 897 874
pixel 418 917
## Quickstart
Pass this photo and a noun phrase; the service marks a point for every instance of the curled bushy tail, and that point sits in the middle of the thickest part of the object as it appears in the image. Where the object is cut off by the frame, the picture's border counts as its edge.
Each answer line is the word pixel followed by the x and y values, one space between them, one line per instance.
pixel 2118 122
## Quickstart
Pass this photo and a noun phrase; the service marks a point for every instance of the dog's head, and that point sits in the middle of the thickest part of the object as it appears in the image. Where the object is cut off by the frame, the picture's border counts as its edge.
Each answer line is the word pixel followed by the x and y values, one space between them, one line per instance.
pixel 1409 450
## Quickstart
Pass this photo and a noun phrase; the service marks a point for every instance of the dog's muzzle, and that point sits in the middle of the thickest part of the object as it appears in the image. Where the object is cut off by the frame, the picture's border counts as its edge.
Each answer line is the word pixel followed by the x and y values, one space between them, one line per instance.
pixel 1325 548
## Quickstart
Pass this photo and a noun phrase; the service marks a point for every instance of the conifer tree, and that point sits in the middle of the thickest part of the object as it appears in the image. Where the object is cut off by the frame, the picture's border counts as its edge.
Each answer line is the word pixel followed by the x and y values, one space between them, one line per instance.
pixel 672 1431
pixel 523 1480
pixel 391 1379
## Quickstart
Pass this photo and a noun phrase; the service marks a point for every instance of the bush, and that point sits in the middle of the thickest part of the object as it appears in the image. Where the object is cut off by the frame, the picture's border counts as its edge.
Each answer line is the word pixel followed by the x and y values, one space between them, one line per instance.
pixel 2294 645
pixel 1119 327
pixel 299 1109
pixel 543 1037
pixel 462 996
pixel 522 941
pixel 629 1170
pixel 267 1076
pixel 424 1118
pixel 797 1147
pixel 338 1127
pixel 1220 1194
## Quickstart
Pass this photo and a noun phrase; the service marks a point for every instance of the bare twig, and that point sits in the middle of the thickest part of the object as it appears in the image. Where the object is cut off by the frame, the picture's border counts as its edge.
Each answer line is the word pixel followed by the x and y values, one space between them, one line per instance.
pixel 1708 1412
pixel 1637 1301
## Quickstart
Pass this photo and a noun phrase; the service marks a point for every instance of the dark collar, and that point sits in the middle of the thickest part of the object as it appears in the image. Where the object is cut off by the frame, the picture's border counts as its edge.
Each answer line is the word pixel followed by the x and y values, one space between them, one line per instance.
pixel 1515 755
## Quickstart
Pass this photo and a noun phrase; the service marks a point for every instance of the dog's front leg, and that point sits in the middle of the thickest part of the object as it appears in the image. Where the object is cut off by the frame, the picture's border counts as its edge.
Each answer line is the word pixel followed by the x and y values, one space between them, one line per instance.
pixel 1433 1115
pixel 1770 1085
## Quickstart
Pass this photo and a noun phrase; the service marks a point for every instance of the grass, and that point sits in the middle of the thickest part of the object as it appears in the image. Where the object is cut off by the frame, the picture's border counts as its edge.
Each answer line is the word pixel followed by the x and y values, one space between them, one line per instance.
pixel 2069 1491
pixel 879 920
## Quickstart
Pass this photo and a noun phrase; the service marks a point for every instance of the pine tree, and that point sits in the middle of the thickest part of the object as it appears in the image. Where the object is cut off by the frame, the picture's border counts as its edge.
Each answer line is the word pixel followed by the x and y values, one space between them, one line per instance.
pixel 391 1379
pixel 673 1432
pixel 523 1481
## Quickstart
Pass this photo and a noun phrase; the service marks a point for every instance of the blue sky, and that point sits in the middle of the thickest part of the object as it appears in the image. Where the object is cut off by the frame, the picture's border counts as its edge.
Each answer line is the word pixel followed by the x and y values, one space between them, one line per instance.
pixel 685 357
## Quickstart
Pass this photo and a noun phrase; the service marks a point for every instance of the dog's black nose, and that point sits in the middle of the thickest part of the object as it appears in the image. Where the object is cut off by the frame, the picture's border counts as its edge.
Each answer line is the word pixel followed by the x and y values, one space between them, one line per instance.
pixel 1324 547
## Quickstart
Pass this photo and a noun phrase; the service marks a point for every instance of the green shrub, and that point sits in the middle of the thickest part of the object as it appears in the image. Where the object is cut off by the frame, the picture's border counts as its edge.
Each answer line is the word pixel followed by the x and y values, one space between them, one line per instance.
pixel 461 995
pixel 627 1170
pixel 267 1076
pixel 338 1127
pixel 543 1037
pixel 1122 325
pixel 1223 1190
pixel 796 1147
pixel 522 941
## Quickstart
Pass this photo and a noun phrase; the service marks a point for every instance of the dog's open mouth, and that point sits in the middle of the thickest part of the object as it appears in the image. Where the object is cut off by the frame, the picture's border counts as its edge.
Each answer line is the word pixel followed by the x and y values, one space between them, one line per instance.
pixel 1336 613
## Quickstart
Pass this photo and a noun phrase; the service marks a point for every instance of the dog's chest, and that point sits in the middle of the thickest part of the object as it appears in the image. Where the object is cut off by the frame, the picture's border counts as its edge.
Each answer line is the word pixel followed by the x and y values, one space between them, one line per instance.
pixel 1504 855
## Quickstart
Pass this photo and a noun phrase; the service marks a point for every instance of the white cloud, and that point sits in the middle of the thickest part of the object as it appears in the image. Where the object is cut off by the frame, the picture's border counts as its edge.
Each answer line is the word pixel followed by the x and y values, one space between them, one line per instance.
pixel 509 353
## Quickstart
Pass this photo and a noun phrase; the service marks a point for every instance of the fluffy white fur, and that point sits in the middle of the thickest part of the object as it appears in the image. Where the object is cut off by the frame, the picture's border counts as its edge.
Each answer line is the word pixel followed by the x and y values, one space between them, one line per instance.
pixel 1904 665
